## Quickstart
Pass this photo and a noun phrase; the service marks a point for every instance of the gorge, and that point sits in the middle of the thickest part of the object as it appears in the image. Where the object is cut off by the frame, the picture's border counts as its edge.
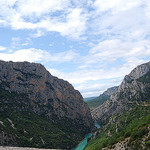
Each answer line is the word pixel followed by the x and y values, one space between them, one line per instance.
pixel 41 111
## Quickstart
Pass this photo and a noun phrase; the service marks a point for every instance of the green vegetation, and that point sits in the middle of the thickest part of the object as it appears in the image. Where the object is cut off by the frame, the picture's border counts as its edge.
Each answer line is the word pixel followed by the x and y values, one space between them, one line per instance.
pixel 89 98
pixel 34 130
pixel 97 101
pixel 133 124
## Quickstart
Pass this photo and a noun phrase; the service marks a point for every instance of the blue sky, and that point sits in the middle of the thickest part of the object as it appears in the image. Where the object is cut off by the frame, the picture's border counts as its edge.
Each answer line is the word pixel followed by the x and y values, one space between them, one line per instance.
pixel 92 44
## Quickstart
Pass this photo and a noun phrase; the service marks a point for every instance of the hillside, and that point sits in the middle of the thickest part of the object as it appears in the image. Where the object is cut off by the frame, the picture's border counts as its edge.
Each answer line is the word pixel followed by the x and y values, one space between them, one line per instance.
pixel 89 98
pixel 125 116
pixel 97 101
pixel 134 89
pixel 38 109
pixel 102 98
pixel 127 131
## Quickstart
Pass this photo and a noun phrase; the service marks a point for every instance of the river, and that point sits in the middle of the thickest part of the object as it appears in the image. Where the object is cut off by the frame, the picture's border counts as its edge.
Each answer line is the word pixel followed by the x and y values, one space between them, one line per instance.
pixel 83 143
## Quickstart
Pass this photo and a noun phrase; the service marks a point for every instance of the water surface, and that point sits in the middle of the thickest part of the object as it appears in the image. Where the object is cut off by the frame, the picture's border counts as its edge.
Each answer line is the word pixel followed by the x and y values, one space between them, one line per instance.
pixel 83 143
pixel 97 125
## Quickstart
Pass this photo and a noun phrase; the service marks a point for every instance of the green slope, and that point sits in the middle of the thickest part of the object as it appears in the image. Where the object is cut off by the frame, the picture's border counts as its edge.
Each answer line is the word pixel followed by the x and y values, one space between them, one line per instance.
pixel 19 126
pixel 134 125
pixel 89 98
pixel 97 101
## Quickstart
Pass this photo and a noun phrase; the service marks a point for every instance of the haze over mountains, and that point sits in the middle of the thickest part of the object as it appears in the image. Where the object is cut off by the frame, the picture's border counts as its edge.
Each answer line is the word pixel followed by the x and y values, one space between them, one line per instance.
pixel 95 102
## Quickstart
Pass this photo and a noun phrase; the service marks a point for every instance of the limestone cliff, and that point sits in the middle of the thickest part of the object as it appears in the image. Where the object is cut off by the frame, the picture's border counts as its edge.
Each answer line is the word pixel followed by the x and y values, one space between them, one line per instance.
pixel 47 95
pixel 111 91
pixel 134 88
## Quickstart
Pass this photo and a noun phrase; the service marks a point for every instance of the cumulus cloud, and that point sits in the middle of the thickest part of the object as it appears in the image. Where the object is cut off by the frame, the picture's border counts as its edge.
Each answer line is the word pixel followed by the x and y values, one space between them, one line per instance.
pixel 2 48
pixel 88 81
pixel 37 55
pixel 111 50
pixel 31 55
pixel 92 90
pixel 65 56
pixel 83 76
pixel 59 16
pixel 116 31
pixel 116 5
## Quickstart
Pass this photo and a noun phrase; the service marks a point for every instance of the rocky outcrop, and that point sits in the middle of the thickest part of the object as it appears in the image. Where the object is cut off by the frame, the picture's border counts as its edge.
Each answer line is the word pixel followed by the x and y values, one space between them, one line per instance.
pixel 45 94
pixel 111 91
pixel 7 139
pixel 134 88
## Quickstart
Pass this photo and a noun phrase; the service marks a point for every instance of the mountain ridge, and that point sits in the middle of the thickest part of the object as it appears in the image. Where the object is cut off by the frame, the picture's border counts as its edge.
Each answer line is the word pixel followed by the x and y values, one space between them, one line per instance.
pixel 130 92
pixel 101 98
pixel 125 116
pixel 44 95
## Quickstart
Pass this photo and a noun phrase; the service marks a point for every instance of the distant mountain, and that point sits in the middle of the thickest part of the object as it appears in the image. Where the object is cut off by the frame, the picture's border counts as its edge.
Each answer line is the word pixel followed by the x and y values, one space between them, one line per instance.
pixel 102 98
pixel 89 98
pixel 40 110
pixel 134 89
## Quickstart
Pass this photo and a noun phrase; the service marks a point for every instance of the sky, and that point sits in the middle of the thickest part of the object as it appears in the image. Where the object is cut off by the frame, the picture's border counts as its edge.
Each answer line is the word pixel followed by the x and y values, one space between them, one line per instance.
pixel 92 44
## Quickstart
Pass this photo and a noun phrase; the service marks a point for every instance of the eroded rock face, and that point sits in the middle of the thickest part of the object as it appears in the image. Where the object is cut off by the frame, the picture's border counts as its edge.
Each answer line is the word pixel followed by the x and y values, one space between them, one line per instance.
pixel 134 88
pixel 111 91
pixel 48 95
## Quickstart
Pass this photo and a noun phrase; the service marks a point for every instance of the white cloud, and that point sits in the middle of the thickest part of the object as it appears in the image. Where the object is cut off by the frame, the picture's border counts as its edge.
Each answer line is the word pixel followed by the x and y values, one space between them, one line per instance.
pixel 92 90
pixel 117 31
pixel 86 75
pixel 2 48
pixel 15 42
pixel 83 79
pixel 2 22
pixel 40 7
pixel 51 44
pixel 37 55
pixel 66 56
pixel 59 16
pixel 38 33
pixel 115 5
pixel 111 50
pixel 31 55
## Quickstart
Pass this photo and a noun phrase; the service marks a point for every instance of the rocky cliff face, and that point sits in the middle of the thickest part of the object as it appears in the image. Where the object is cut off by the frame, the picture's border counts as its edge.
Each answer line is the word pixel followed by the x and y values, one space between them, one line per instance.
pixel 111 91
pixel 47 95
pixel 134 88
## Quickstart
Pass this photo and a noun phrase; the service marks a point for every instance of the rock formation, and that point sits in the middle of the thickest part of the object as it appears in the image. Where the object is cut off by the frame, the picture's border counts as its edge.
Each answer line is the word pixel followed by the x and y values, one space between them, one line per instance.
pixel 134 88
pixel 111 91
pixel 47 95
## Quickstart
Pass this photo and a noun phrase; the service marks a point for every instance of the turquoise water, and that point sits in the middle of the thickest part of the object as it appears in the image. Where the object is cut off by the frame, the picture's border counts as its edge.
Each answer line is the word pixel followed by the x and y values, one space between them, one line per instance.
pixel 83 143
pixel 97 125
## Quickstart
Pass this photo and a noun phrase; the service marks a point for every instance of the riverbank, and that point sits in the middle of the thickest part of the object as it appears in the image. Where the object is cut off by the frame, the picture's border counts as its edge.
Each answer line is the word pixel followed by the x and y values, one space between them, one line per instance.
pixel 84 142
